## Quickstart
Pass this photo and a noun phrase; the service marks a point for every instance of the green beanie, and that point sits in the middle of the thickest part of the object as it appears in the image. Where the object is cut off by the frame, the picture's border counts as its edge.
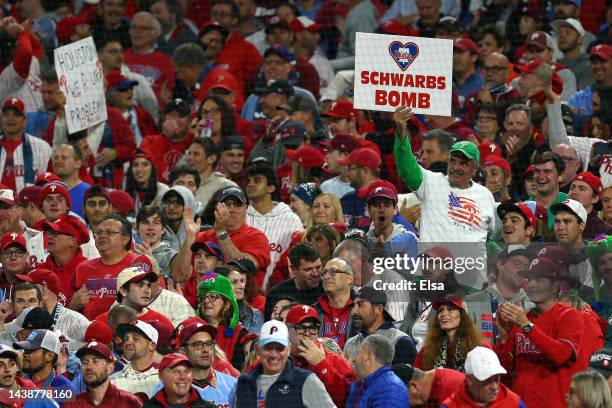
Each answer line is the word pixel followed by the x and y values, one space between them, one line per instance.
pixel 214 283
pixel 601 245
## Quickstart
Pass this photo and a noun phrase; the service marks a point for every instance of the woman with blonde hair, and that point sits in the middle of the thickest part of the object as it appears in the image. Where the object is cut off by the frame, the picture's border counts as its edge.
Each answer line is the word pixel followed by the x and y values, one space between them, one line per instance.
pixel 451 335
pixel 589 389
pixel 326 209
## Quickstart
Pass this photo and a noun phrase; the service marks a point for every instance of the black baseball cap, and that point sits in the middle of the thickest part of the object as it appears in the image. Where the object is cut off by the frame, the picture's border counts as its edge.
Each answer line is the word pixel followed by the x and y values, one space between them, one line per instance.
pixel 601 361
pixel 376 297
pixel 230 143
pixel 243 264
pixel 403 371
pixel 280 86
pixel 292 134
pixel 297 103
pixel 232 192
pixel 37 318
pixel 178 105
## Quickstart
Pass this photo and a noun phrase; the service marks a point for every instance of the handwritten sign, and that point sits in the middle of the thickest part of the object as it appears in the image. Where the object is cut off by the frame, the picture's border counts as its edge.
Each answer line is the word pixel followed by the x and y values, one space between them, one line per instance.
pixel 82 80
pixel 392 71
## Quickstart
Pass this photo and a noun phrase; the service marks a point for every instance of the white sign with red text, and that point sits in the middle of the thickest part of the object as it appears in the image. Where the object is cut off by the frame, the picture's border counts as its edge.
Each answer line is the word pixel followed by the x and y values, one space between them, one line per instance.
pixel 393 70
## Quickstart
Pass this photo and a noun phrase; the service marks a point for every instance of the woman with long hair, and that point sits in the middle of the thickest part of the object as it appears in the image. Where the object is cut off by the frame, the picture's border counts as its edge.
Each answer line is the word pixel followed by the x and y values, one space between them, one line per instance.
pixel 216 120
pixel 589 389
pixel 301 200
pixel 141 181
pixel 217 305
pixel 451 335
pixel 237 271
pixel 326 209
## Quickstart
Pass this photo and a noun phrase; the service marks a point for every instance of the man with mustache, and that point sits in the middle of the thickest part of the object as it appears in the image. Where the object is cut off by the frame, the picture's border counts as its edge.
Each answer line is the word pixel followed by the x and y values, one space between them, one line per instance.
pixel 454 208
pixel 97 364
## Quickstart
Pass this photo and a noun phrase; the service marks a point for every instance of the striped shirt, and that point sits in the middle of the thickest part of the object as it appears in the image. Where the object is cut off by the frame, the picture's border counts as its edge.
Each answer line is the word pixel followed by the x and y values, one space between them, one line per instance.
pixel 278 225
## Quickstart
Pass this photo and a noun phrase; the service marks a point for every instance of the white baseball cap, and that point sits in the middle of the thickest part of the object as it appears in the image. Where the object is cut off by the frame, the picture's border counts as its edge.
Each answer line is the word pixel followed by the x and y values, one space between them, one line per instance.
pixel 139 327
pixel 573 206
pixel 575 24
pixel 274 331
pixel 45 339
pixel 483 363
pixel 134 274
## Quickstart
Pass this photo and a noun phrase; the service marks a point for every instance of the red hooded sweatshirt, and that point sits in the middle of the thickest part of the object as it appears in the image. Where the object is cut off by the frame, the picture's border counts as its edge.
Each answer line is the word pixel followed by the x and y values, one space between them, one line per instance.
pixel 505 399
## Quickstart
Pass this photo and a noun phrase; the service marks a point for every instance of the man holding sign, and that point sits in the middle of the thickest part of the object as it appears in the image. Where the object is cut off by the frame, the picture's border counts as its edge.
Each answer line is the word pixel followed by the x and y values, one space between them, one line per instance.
pixel 454 208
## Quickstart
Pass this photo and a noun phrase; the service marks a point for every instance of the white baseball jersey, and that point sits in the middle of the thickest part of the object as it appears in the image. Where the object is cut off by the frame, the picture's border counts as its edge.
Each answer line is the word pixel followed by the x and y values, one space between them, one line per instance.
pixel 278 226
pixel 41 153
pixel 12 85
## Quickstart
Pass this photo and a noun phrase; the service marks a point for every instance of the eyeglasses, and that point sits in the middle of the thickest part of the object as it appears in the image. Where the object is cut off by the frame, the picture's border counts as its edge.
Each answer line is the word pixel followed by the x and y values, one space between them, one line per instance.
pixel 54 234
pixel 301 329
pixel 211 297
pixel 493 69
pixel 15 253
pixel 199 345
pixel 332 272
pixel 101 232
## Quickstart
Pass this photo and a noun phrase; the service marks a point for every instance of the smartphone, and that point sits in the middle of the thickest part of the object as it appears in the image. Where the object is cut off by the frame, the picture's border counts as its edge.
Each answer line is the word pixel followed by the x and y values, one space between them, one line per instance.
pixel 602 149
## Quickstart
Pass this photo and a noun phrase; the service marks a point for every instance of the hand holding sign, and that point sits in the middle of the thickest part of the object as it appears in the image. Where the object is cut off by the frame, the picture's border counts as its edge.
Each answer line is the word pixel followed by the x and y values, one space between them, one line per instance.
pixel 401 116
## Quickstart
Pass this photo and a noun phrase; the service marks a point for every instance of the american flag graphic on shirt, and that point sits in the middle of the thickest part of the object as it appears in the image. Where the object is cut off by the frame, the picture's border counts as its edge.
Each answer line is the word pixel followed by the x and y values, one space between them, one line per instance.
pixel 464 211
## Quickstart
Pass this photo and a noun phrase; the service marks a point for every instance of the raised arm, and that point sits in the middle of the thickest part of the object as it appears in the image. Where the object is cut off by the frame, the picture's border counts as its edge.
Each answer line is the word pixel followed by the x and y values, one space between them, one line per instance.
pixel 407 166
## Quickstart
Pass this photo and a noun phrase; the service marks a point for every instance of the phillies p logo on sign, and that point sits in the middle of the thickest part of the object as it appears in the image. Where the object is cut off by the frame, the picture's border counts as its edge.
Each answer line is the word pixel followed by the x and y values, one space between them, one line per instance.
pixel 403 54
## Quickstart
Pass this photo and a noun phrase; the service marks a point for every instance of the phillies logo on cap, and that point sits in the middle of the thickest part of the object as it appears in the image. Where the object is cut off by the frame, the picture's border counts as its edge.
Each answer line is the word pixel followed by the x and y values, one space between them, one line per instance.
pixel 14 101
pixel 377 190
pixel 53 187
pixel 92 344
pixel 306 309
pixel 403 54
pixel 13 236
pixel 273 330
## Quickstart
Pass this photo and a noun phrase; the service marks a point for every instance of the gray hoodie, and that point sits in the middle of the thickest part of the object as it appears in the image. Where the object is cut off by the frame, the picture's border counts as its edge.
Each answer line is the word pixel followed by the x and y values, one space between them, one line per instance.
pixel 175 240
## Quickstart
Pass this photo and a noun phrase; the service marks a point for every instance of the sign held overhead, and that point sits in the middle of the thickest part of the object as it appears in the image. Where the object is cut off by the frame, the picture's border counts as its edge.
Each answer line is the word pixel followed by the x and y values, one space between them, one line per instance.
pixel 81 79
pixel 393 71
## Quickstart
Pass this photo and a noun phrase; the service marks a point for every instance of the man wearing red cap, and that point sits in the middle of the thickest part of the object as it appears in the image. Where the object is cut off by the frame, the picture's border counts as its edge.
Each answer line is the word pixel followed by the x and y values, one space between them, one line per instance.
pixel 539 348
pixel 466 75
pixel 308 352
pixel 22 156
pixel 519 223
pixel 586 189
pixel 55 200
pixel 65 237
pixel 11 220
pixel 178 390
pixel 498 177
pixel 196 340
pixel 97 364
pixel 14 260
pixel 340 146
pixel 71 324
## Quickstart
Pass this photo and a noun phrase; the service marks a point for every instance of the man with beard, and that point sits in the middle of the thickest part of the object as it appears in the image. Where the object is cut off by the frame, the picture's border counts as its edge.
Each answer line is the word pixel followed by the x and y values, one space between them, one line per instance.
pixel 540 347
pixel 118 315
pixel 371 317
pixel 139 344
pixel 197 340
pixel 445 198
pixel 134 290
pixel 570 37
pixel 180 231
pixel 41 351
pixel 305 285
pixel 483 305
pixel 97 364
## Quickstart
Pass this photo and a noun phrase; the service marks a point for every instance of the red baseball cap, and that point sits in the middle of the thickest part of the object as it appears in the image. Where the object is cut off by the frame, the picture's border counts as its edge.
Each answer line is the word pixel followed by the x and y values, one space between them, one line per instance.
pixel 298 313
pixel 190 327
pixel 15 104
pixel 466 44
pixel 173 360
pixel 541 40
pixel 557 254
pixel 592 180
pixel 142 154
pixel 341 109
pixel 12 238
pixel 307 156
pixel 498 161
pixel 489 148
pixel 99 331
pixel 46 177
pixel 67 25
pixel 364 191
pixel 97 348
pixel 164 331
pixel 451 299
pixel 603 51
pixel 43 277
pixel 56 187
pixel 301 23
pixel 30 194
pixel 122 202
pixel 68 225
pixel 520 208
pixel 395 27
pixel 528 171
pixel 115 79
pixel 7 195
pixel 364 157
pixel 222 79
pixel 344 142
pixel 382 192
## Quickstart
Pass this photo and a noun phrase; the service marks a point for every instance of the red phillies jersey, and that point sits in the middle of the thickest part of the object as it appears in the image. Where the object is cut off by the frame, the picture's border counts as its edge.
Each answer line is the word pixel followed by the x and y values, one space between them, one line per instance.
pixel 165 153
pixel 542 362
pixel 101 281
pixel 248 240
